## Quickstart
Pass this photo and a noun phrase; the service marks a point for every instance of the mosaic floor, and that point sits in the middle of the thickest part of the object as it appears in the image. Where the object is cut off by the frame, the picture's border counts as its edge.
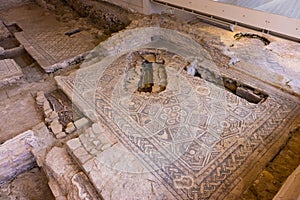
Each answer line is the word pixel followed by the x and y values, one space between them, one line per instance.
pixel 44 37
pixel 199 140
pixel 9 71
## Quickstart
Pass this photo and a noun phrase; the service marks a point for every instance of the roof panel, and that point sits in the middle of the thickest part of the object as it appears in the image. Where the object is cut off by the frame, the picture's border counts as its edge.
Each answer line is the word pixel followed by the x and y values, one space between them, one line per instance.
pixel 289 8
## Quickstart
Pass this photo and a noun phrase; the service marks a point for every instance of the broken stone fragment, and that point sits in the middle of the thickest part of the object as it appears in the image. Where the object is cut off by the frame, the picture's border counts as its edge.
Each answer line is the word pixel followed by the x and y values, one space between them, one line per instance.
pixel 74 144
pixel 234 61
pixel 40 98
pixel 156 89
pixel 47 105
pixel 53 116
pixel 61 135
pixel 48 120
pixel 56 127
pixel 81 123
pixel 47 113
pixel 70 128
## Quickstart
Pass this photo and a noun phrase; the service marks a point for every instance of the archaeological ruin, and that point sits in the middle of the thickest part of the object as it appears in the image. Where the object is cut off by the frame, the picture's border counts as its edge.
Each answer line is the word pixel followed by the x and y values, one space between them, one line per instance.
pixel 149 99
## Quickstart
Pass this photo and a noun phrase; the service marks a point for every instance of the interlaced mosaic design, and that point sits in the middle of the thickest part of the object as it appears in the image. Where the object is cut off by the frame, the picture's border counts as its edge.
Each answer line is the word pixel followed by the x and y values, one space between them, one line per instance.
pixel 196 138
pixel 50 46
pixel 9 68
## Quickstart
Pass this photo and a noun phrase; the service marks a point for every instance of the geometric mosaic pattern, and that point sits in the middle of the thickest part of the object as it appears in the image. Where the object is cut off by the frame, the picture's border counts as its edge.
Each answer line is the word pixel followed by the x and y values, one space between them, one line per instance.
pixel 195 137
pixel 43 37
pixel 9 71
pixel 49 47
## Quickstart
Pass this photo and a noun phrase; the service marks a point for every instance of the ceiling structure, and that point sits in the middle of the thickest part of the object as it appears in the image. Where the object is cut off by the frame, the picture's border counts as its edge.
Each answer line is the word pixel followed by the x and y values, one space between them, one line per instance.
pixel 278 7
pixel 232 12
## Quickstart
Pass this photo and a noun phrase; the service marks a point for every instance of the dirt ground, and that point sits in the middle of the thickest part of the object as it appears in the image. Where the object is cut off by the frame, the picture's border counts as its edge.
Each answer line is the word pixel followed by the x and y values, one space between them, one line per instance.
pixel 31 185
pixel 277 171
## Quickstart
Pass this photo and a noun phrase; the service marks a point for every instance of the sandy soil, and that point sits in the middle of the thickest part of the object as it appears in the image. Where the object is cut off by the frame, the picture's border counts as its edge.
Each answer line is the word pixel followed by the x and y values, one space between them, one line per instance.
pixel 31 185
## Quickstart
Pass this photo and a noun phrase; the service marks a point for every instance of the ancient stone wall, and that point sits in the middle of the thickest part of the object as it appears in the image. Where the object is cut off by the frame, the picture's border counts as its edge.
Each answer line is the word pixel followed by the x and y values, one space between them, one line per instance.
pixel 7 4
pixel 16 157
pixel 102 14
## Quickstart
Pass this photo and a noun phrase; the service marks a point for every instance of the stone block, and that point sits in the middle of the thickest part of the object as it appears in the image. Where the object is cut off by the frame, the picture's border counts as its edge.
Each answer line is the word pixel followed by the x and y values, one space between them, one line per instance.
pixel 290 189
pixel 53 116
pixel 85 189
pixel 74 144
pixel 70 128
pixel 61 165
pixel 61 198
pixel 82 155
pixel 61 135
pixel 21 160
pixel 55 188
pixel 47 113
pixel 56 127
pixel 81 123
pixel 88 166
pixel 42 142
pixel 46 105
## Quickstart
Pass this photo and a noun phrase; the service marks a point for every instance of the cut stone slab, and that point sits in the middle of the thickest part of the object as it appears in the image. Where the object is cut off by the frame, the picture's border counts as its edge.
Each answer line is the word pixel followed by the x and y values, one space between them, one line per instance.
pixel 81 123
pixel 10 72
pixel 16 157
pixel 61 135
pixel 70 128
pixel 42 143
pixel 56 127
pixel 67 177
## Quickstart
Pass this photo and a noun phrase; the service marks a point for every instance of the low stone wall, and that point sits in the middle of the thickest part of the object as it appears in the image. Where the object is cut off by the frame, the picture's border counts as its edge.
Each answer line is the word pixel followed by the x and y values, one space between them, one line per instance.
pixel 103 14
pixel 66 180
pixel 16 157
pixel 7 4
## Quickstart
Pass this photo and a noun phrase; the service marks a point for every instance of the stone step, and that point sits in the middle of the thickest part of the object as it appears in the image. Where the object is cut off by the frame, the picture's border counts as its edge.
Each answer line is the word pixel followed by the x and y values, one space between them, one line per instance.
pixel 112 168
